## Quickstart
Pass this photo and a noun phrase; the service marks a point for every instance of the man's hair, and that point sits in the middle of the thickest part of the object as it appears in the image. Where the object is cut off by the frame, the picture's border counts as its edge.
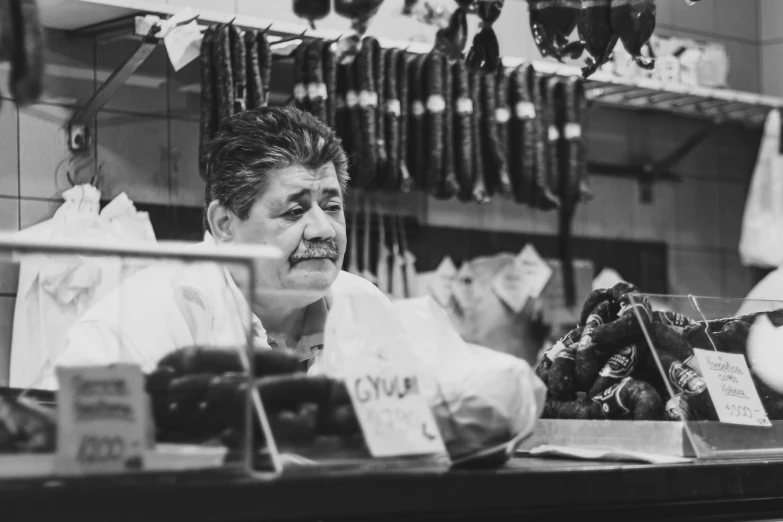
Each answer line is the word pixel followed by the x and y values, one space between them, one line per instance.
pixel 251 143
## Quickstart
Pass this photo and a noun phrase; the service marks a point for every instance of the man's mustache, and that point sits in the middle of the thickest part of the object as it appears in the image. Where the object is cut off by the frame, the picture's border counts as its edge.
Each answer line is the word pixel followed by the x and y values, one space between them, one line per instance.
pixel 310 250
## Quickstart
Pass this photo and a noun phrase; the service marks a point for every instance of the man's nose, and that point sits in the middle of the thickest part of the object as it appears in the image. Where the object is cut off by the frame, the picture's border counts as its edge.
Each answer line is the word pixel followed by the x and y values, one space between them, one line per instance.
pixel 319 226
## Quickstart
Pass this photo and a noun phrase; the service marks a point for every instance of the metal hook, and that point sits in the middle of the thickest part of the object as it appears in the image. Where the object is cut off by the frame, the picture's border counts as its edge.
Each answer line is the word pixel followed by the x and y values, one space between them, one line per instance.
pixel 186 22
pixel 264 31
pixel 225 24
pixel 290 38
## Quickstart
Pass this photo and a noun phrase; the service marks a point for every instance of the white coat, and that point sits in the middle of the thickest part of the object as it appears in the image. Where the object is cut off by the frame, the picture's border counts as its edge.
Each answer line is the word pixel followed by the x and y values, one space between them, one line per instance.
pixel 172 306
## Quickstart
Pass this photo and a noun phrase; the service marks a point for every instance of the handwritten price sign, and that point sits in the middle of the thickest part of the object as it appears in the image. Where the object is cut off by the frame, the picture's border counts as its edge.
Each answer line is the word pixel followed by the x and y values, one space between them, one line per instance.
pixel 102 420
pixel 395 417
pixel 731 388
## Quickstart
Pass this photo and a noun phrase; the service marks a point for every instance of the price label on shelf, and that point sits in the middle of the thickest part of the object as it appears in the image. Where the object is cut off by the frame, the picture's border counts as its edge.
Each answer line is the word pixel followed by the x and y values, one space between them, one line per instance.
pixel 731 388
pixel 394 415
pixel 101 419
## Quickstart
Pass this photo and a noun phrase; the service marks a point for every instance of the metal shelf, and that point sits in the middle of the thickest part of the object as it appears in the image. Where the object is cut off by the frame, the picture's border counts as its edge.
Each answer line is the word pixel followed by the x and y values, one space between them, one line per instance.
pixel 718 105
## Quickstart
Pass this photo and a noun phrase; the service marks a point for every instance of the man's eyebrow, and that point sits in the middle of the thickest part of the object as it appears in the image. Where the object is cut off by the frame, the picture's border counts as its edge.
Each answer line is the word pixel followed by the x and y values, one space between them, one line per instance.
pixel 331 193
pixel 296 196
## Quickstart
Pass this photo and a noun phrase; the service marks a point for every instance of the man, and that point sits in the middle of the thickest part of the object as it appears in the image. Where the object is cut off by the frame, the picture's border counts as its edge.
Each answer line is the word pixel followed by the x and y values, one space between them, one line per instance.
pixel 275 176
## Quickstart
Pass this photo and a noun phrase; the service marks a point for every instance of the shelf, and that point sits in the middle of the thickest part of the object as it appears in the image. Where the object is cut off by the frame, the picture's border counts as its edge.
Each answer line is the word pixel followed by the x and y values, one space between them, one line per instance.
pixel 603 89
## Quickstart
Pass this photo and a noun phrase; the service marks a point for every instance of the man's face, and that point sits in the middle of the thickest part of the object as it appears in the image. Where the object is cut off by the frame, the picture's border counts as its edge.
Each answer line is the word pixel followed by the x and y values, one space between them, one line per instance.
pixel 301 214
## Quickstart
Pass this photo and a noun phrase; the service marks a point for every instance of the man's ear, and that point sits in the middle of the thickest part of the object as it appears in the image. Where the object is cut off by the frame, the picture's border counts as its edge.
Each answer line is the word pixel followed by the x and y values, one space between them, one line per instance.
pixel 219 219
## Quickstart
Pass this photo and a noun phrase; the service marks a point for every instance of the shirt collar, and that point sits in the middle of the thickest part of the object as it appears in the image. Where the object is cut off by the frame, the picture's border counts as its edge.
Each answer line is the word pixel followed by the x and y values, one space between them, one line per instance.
pixel 312 339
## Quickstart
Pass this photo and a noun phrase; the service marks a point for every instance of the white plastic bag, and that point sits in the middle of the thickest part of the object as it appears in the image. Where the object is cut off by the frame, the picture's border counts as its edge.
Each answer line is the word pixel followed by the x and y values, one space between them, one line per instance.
pixel 761 243
pixel 480 398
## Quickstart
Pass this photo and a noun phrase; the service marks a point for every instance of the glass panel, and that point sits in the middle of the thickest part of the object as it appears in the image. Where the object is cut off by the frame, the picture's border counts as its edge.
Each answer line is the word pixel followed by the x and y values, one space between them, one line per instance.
pixel 722 328
pixel 182 317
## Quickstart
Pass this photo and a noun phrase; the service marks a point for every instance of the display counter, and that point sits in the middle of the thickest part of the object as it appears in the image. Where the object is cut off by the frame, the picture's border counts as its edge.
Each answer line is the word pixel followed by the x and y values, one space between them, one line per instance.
pixel 531 488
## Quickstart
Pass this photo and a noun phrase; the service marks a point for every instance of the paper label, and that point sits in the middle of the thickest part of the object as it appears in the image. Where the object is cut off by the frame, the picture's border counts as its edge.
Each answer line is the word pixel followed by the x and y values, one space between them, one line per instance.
pixel 464 106
pixel 610 402
pixel 525 111
pixel 101 419
pixel 436 103
pixel 731 388
pixel 440 285
pixel 183 44
pixel 522 279
pixel 502 115
pixel 621 364
pixel 393 414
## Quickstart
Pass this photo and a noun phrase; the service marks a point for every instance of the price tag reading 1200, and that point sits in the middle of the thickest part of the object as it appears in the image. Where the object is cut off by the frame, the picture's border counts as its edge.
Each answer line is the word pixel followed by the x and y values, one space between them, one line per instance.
pixel 731 388
pixel 102 422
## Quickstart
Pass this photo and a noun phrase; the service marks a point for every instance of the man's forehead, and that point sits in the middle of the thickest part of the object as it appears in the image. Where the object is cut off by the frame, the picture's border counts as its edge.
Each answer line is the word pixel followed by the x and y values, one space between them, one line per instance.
pixel 301 179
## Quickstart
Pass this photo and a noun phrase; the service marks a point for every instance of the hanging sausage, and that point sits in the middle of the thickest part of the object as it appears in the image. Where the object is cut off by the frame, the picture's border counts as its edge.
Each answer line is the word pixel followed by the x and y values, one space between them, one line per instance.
pixel 315 86
pixel 354 127
pixel 209 100
pixel 577 152
pixel 379 72
pixel 484 53
pixel 543 196
pixel 23 46
pixel 435 107
pixel 448 186
pixel 479 191
pixel 329 61
pixel 361 13
pixel 463 130
pixel 552 22
pixel 452 39
pixel 238 68
pixel 634 22
pixel 367 136
pixel 498 181
pixel 522 151
pixel 595 30
pixel 392 120
pixel 300 78
pixel 265 64
pixel 312 10
pixel 416 136
pixel 406 181
pixel 221 58
pixel 255 84
pixel 353 244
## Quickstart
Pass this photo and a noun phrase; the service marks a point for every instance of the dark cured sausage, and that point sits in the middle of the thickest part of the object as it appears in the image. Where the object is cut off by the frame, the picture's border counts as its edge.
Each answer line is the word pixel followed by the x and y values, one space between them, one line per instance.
pixel 463 131
pixel 209 101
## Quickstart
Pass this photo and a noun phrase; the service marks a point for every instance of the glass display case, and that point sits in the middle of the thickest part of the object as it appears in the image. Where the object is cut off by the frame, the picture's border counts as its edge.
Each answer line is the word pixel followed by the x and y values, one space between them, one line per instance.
pixel 719 371
pixel 122 363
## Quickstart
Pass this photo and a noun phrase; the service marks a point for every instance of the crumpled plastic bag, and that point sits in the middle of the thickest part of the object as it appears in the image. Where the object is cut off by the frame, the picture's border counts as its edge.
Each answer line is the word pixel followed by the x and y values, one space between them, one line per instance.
pixel 481 398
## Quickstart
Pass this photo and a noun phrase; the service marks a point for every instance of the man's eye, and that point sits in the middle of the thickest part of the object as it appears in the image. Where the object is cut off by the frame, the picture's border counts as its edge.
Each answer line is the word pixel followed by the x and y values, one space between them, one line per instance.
pixel 334 207
pixel 294 212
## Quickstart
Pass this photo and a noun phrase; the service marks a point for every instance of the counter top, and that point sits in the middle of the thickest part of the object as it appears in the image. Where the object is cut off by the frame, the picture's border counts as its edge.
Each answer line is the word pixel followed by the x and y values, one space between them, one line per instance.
pixel 534 488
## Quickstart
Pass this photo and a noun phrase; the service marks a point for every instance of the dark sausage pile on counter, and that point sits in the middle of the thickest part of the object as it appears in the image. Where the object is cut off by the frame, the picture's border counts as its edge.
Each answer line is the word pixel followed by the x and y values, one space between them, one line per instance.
pixel 200 395
pixel 605 368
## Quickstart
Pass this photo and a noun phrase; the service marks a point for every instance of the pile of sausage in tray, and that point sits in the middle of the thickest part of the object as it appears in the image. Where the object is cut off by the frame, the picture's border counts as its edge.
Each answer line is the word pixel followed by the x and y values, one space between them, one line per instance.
pixel 424 122
pixel 605 368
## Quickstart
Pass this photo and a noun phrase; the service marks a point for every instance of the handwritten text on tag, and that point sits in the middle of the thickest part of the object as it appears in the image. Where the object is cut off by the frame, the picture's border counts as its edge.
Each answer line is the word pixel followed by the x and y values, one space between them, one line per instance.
pixel 395 417
pixel 731 388
pixel 102 420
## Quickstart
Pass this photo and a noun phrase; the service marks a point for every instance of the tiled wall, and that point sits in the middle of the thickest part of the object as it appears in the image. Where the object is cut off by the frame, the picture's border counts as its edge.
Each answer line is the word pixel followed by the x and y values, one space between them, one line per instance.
pixel 146 143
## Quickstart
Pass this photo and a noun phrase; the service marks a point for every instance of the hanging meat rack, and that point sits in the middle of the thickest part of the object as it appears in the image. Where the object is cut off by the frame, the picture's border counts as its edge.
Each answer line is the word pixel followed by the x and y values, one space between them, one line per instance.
pixel 644 94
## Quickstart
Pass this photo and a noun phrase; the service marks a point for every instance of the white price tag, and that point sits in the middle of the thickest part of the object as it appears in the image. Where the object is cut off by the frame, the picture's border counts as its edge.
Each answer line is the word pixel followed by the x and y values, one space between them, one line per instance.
pixel 183 44
pixel 523 279
pixel 101 419
pixel 731 388
pixel 395 417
